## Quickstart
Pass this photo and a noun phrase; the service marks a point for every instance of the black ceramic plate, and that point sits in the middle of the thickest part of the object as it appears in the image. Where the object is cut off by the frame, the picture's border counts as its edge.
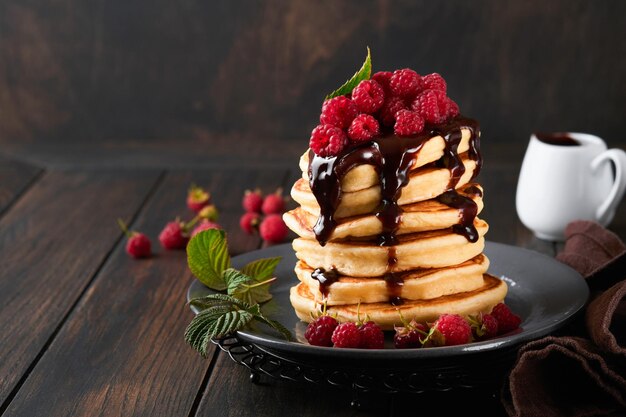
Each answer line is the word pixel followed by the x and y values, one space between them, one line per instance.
pixel 543 291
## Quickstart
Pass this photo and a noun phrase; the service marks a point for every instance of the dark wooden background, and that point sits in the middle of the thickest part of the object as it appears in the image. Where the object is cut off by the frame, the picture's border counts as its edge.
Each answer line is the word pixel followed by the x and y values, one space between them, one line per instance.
pixel 191 82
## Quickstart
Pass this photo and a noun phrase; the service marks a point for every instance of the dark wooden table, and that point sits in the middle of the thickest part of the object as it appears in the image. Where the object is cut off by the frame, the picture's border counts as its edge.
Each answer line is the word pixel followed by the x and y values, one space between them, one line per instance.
pixel 88 331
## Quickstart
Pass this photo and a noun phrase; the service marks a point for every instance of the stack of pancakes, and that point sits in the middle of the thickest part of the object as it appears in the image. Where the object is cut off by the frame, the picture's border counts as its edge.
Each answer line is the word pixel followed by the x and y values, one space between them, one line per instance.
pixel 413 251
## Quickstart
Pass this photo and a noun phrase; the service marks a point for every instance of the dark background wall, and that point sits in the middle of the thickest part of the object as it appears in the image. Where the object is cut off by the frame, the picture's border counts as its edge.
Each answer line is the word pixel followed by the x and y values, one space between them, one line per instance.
pixel 191 81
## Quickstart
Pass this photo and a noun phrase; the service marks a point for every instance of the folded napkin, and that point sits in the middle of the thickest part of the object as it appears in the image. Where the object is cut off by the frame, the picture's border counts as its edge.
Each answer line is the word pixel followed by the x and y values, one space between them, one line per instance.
pixel 574 376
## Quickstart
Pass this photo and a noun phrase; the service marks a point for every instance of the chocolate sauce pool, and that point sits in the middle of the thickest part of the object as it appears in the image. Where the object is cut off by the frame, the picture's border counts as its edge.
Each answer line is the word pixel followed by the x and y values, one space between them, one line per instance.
pixel 392 158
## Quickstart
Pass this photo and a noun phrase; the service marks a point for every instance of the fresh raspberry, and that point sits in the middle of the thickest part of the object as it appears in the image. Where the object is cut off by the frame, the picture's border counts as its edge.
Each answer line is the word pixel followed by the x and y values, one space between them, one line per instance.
pixel 368 96
pixel 173 236
pixel 197 198
pixel 453 108
pixel 204 225
pixel 327 140
pixel 484 326
pixel 346 335
pixel 274 203
pixel 209 212
pixel 408 123
pixel 338 112
pixel 382 78
pixel 249 222
pixel 408 337
pixel 432 105
pixel 405 83
pixel 450 330
pixel 138 245
pixel 252 201
pixel 372 336
pixel 434 81
pixel 388 111
pixel 273 229
pixel 320 331
pixel 507 320
pixel 363 128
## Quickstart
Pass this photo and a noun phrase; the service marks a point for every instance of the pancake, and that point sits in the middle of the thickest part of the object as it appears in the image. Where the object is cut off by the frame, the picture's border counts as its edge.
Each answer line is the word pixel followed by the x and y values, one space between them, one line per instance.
pixel 424 184
pixel 434 249
pixel 417 217
pixel 421 284
pixel 365 176
pixel 482 299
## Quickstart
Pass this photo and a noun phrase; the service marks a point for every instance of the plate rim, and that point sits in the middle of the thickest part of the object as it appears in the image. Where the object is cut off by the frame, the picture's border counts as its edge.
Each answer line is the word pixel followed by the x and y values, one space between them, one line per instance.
pixel 503 342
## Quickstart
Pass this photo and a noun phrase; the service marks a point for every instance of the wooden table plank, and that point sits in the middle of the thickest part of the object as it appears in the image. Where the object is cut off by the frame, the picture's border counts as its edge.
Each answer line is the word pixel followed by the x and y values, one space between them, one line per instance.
pixel 15 178
pixel 52 242
pixel 121 351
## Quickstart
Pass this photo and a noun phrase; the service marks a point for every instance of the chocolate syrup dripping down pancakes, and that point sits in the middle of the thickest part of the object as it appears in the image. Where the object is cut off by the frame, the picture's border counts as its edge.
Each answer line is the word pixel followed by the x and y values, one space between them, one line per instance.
pixel 387 217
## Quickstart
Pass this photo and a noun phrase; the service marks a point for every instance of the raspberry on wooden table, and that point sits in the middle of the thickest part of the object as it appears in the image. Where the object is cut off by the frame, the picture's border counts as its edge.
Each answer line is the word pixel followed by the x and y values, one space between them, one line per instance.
pixel 249 222
pixel 205 224
pixel 173 236
pixel 252 201
pixel 273 229
pixel 197 198
pixel 138 245
pixel 274 203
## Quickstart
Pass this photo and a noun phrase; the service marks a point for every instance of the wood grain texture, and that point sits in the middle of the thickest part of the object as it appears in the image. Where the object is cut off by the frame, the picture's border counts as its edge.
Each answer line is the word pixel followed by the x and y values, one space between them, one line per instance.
pixel 108 84
pixel 121 351
pixel 52 242
pixel 15 178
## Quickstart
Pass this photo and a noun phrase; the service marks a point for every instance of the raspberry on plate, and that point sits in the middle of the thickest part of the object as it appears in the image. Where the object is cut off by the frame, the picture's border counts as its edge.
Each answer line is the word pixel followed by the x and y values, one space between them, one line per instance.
pixel 507 320
pixel 408 123
pixel 363 128
pixel 338 112
pixel 372 336
pixel 320 331
pixel 392 105
pixel 450 330
pixel 346 335
pixel 484 326
pixel 368 96
pixel 409 336
pixel 405 83
pixel 327 140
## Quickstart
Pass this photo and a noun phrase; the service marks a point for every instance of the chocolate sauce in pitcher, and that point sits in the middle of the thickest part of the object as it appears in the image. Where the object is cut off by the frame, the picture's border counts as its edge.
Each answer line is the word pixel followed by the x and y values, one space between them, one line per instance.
pixel 392 157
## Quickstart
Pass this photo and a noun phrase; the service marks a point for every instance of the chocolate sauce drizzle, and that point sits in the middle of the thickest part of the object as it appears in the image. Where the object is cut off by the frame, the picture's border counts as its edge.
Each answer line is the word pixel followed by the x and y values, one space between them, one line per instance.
pixel 325 278
pixel 392 157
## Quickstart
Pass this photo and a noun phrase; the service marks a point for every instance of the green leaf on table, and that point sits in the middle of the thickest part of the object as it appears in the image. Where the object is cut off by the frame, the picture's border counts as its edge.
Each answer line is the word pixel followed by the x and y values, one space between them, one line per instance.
pixel 261 269
pixel 244 288
pixel 363 74
pixel 208 258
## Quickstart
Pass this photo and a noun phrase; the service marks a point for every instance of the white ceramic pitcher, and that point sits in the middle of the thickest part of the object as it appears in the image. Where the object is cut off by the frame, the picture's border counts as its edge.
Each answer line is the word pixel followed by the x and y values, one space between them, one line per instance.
pixel 559 183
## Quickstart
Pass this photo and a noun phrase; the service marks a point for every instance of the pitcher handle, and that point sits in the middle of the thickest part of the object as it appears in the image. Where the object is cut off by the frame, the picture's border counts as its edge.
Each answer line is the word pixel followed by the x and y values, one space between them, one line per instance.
pixel 618 157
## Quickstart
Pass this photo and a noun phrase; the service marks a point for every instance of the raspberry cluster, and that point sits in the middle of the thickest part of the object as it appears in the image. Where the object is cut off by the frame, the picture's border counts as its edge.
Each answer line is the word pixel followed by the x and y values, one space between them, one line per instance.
pixel 264 214
pixel 402 100
pixel 325 330
pixel 176 233
pixel 447 330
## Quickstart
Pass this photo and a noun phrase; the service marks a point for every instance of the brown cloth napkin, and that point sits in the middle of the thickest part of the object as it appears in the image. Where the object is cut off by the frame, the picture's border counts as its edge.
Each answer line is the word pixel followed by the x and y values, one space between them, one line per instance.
pixel 574 376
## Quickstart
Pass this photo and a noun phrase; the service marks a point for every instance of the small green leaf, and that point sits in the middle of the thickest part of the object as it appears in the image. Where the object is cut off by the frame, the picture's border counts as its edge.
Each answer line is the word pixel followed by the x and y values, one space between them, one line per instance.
pixel 363 74
pixel 244 288
pixel 207 256
pixel 261 269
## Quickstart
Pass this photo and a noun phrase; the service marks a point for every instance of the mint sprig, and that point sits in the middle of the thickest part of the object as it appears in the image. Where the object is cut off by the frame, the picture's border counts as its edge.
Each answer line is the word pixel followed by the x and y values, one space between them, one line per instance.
pixel 223 315
pixel 363 74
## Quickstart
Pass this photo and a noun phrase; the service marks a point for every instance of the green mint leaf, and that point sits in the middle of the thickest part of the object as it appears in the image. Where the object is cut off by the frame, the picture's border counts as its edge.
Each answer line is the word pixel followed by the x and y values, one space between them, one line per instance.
pixel 215 323
pixel 363 74
pixel 207 256
pixel 261 269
